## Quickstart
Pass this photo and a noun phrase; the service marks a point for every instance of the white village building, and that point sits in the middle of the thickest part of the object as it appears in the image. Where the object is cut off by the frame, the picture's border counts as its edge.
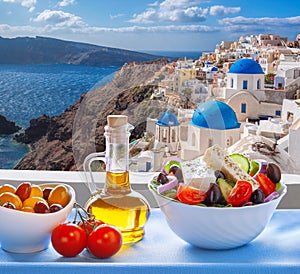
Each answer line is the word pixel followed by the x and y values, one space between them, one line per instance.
pixel 218 121
pixel 213 122
pixel 245 92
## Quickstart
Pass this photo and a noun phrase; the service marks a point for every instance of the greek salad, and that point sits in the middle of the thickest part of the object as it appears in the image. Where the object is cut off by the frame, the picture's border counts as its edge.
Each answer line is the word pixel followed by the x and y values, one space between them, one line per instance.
pixel 254 182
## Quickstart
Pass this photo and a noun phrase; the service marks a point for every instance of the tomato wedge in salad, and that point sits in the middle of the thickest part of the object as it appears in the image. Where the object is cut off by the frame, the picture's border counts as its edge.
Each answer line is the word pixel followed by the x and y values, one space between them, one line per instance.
pixel 240 193
pixel 265 184
pixel 190 195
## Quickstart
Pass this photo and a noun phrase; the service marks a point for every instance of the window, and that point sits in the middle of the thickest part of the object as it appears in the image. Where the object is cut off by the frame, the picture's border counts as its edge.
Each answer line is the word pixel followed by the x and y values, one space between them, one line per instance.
pixel 245 84
pixel 243 108
pixel 173 135
pixel 231 82
pixel 258 84
pixel 229 141
pixel 278 113
pixel 193 139
pixel 290 117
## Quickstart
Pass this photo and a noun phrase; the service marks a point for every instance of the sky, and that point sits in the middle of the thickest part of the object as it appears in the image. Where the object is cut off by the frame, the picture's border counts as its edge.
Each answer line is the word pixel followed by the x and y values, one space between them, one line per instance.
pixel 144 25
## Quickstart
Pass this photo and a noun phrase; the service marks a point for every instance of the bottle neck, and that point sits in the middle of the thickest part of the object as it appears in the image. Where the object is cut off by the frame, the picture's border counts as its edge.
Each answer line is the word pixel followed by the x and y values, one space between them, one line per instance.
pixel 117 183
pixel 117 160
pixel 117 152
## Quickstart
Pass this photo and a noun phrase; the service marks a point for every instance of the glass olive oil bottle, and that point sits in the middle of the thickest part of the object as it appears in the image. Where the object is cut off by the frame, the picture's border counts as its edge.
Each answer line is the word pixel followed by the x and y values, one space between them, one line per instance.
pixel 117 203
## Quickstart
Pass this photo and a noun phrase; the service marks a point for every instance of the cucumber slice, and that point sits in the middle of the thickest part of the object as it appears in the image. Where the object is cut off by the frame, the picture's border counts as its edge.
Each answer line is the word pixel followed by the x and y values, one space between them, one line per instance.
pixel 225 186
pixel 254 167
pixel 171 193
pixel 241 160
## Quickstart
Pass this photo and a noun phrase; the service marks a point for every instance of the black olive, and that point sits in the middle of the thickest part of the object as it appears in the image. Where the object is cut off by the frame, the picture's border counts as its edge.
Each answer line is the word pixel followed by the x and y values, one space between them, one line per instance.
pixel 219 174
pixel 257 196
pixel 162 179
pixel 214 195
pixel 273 172
pixel 177 172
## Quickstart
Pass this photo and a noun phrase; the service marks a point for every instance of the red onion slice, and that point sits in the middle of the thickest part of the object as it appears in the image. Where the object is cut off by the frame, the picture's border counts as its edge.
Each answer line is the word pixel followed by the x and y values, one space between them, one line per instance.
pixel 271 197
pixel 173 183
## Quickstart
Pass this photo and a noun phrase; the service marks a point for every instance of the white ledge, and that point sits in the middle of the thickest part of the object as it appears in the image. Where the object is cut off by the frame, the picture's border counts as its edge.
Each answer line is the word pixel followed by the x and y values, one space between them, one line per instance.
pixel 139 181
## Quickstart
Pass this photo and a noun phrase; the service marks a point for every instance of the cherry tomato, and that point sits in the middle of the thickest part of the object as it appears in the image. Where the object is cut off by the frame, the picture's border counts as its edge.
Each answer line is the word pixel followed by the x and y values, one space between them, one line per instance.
pixel 190 195
pixel 41 207
pixel 55 208
pixel 59 195
pixel 7 188
pixel 36 191
pixel 23 190
pixel 104 241
pixel 265 184
pixel 240 193
pixel 90 225
pixel 31 201
pixel 68 239
pixel 27 209
pixel 9 205
pixel 12 198
pixel 46 192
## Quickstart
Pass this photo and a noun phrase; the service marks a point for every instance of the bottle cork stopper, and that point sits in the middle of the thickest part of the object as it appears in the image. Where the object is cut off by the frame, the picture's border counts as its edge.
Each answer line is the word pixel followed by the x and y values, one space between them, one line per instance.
pixel 117 120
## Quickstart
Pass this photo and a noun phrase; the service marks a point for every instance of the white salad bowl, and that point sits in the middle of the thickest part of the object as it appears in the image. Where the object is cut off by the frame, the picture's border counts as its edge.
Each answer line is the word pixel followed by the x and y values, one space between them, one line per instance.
pixel 26 232
pixel 217 227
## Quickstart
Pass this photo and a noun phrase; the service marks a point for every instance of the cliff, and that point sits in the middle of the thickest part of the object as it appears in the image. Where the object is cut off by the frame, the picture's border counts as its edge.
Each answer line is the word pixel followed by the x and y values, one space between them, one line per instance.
pixel 62 142
pixel 7 127
pixel 43 50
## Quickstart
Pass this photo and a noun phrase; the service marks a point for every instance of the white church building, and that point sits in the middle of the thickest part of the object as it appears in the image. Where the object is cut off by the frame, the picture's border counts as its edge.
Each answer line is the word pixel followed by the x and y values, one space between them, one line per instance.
pixel 213 122
pixel 245 92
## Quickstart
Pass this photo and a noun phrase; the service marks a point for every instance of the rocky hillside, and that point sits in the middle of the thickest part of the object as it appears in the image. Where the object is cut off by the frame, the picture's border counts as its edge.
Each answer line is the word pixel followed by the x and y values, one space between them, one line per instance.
pixel 62 142
pixel 43 50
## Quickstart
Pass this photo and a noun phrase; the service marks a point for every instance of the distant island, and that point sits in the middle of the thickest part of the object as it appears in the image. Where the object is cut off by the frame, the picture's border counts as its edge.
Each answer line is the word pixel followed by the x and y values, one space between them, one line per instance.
pixel 44 50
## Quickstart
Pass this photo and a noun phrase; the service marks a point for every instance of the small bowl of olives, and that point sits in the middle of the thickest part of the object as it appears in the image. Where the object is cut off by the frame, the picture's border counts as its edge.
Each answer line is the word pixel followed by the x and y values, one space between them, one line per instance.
pixel 30 213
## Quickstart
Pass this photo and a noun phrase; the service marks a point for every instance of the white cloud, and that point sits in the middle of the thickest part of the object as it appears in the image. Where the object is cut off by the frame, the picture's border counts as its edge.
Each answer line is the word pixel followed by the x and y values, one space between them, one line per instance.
pixel 64 3
pixel 13 31
pixel 172 11
pixel 168 28
pixel 59 30
pixel 148 16
pixel 264 21
pixel 154 4
pixel 30 4
pixel 173 4
pixel 60 19
pixel 116 15
pixel 221 10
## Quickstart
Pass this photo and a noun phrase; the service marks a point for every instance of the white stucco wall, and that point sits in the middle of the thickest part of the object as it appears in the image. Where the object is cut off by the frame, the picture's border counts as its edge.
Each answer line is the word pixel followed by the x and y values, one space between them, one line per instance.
pixel 294 148
pixel 290 106
pixel 252 105
pixel 199 139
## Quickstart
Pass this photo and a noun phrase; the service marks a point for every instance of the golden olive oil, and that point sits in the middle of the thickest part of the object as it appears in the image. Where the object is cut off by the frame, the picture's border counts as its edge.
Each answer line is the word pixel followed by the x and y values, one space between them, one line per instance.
pixel 120 206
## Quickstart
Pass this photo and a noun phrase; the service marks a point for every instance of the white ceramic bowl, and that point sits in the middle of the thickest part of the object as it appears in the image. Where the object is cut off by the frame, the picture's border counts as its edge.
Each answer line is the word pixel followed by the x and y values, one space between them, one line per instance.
pixel 217 228
pixel 25 232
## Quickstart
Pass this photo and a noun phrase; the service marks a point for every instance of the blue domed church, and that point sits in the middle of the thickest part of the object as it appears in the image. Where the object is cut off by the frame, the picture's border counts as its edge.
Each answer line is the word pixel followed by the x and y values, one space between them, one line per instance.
pixel 167 130
pixel 213 122
pixel 245 92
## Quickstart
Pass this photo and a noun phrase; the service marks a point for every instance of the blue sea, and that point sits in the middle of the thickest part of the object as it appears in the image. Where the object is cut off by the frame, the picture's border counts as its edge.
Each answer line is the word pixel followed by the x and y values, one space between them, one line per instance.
pixel 177 54
pixel 29 91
